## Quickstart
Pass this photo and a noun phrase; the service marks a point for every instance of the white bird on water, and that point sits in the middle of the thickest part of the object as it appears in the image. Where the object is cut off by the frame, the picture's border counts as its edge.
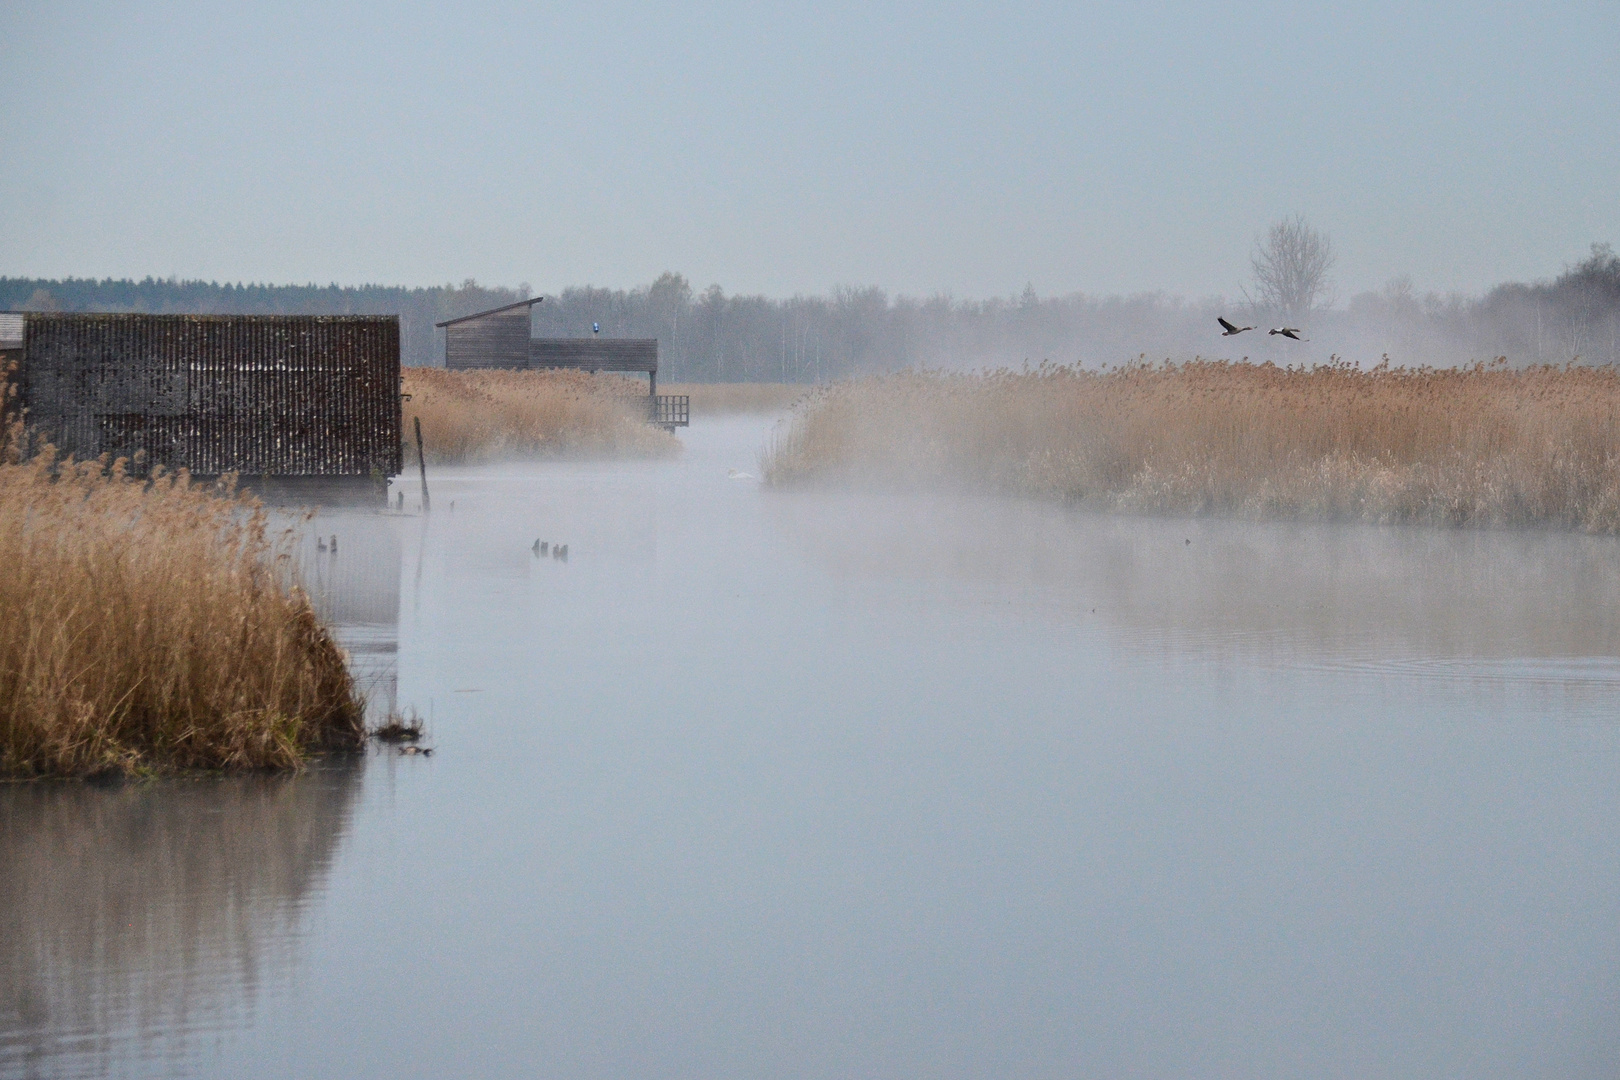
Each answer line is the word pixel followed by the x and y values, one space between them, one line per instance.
pixel 596 328
pixel 738 474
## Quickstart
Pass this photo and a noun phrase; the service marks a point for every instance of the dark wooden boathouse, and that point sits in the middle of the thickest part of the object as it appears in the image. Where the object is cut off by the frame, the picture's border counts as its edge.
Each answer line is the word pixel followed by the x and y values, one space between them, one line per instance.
pixel 500 338
pixel 303 407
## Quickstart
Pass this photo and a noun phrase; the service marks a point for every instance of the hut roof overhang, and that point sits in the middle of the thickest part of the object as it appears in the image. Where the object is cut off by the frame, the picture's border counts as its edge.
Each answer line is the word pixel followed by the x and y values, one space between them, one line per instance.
pixel 492 311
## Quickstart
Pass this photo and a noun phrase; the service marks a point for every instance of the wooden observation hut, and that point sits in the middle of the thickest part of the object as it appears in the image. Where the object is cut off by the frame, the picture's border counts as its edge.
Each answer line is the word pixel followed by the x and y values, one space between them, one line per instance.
pixel 501 338
pixel 304 407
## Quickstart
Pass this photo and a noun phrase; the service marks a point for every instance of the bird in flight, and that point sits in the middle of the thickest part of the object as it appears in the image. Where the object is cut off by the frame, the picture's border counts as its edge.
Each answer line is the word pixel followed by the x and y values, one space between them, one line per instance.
pixel 596 328
pixel 1228 330
pixel 1290 332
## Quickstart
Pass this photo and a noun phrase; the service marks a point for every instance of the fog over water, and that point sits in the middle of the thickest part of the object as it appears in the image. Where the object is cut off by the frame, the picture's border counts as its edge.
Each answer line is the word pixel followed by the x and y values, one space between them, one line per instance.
pixel 827 784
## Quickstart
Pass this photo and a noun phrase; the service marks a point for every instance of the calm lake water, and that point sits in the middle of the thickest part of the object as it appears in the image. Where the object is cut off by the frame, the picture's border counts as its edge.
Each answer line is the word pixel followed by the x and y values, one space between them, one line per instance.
pixel 826 785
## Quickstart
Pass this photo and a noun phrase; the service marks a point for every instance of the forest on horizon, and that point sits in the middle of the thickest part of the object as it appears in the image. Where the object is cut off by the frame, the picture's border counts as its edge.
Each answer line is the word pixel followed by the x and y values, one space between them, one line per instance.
pixel 710 336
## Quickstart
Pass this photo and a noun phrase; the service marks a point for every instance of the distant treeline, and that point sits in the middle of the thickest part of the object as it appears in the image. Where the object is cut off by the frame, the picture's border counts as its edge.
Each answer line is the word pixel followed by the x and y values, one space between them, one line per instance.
pixel 709 336
pixel 1575 317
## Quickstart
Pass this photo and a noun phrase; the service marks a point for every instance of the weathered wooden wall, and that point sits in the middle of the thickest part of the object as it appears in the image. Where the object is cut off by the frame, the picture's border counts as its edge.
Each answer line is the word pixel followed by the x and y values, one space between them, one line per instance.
pixel 260 395
pixel 497 340
pixel 595 354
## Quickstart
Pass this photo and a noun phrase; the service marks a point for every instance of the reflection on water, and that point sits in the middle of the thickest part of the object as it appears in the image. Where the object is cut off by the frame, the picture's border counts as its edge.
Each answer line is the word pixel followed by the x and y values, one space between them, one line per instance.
pixel 828 785
pixel 1419 600
pixel 140 920
pixel 350 563
pixel 137 920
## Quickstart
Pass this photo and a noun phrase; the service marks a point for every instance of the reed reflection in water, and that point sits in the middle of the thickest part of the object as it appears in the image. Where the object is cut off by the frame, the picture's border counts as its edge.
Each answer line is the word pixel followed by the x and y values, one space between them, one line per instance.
pixel 1399 599
pixel 135 920
pixel 140 921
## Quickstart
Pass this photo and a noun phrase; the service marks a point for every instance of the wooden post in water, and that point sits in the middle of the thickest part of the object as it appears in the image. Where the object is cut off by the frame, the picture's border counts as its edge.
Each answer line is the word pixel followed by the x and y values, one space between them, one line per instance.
pixel 421 463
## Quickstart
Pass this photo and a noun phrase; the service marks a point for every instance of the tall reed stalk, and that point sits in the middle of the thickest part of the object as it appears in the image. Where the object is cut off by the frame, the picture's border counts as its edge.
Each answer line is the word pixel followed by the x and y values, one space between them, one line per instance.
pixel 152 625
pixel 1478 446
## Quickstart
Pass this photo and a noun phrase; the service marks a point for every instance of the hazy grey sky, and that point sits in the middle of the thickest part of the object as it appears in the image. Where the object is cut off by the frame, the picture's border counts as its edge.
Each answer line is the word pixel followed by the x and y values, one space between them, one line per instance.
pixel 964 148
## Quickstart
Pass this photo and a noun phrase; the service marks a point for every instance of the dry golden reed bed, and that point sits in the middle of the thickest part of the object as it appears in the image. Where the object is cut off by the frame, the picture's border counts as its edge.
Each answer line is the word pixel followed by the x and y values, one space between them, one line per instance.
pixel 1479 446
pixel 148 627
pixel 475 416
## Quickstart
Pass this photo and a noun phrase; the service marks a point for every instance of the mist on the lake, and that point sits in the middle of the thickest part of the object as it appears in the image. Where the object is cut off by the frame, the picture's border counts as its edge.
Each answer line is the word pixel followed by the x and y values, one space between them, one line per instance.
pixel 1274 591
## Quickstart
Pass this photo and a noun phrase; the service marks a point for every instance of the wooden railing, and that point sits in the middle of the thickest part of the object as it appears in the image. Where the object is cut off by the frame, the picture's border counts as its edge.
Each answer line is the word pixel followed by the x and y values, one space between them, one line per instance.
pixel 671 410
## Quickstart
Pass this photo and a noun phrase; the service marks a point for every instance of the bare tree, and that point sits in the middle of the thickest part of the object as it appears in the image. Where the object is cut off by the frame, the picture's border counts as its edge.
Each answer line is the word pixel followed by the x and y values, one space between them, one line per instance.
pixel 1290 265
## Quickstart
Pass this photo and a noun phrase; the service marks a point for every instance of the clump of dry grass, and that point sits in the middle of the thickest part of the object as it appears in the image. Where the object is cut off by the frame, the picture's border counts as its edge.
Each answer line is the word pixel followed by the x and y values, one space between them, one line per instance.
pixel 148 626
pixel 406 727
pixel 475 416
pixel 719 399
pixel 1477 446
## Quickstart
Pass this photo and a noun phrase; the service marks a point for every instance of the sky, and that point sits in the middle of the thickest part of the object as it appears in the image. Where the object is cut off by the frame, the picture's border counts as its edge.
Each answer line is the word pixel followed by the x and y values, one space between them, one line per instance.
pixel 956 148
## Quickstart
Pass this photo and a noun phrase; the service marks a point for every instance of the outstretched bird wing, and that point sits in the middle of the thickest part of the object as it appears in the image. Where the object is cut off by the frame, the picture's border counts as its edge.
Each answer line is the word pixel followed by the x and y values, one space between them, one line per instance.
pixel 1228 327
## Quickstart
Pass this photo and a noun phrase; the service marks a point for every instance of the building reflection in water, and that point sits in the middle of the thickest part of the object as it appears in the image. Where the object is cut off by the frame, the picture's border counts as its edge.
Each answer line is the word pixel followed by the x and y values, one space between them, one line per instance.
pixel 355 587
